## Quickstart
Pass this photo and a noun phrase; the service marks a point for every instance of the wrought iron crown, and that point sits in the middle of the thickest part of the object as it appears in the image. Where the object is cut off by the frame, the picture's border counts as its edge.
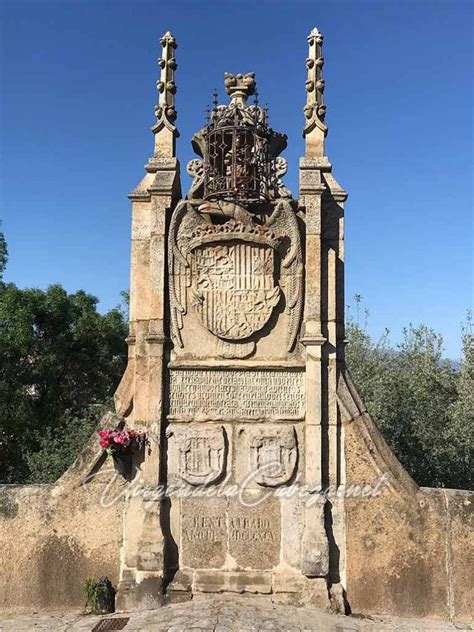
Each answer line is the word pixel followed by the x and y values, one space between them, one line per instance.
pixel 239 147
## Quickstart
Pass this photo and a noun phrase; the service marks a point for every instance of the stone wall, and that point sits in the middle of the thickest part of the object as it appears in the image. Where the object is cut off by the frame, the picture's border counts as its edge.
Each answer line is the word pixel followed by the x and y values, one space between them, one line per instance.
pixel 53 537
pixel 409 550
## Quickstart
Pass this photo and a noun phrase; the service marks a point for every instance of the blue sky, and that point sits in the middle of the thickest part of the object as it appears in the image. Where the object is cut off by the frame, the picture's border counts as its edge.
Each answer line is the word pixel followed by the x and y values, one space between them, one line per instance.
pixel 78 90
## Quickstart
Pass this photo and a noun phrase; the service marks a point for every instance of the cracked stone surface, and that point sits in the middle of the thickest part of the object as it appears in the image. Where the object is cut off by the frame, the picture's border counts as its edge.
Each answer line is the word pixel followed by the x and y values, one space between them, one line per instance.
pixel 226 613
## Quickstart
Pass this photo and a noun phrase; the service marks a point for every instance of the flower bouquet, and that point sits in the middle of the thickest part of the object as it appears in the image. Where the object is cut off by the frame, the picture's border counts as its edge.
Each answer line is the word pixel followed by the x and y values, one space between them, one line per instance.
pixel 121 444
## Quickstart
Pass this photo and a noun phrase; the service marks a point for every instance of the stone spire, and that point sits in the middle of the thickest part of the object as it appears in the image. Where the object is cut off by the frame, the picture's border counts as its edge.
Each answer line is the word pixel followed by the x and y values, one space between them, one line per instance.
pixel 315 130
pixel 164 129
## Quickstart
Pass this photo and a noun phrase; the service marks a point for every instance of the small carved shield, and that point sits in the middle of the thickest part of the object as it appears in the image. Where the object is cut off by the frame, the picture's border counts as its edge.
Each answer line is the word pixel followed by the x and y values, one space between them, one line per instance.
pixel 234 288
pixel 202 455
pixel 273 455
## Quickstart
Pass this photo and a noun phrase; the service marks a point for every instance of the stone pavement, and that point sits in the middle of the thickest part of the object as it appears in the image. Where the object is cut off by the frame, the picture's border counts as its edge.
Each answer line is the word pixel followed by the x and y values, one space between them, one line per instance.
pixel 226 613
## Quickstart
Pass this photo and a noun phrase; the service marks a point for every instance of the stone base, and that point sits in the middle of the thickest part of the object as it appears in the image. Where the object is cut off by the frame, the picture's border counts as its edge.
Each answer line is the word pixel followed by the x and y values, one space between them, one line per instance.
pixel 228 581
pixel 176 596
pixel 145 595
pixel 282 588
pixel 297 590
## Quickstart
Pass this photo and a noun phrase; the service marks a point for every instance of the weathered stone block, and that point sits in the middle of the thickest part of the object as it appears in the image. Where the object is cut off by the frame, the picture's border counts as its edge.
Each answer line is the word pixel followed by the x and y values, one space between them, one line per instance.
pixel 297 590
pixel 255 532
pixel 240 582
pixel 203 532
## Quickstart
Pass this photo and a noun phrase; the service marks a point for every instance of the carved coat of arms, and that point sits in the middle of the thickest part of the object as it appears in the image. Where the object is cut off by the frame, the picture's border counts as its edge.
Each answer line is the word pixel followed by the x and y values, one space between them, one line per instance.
pixel 201 454
pixel 234 248
pixel 273 456
pixel 234 289
pixel 237 271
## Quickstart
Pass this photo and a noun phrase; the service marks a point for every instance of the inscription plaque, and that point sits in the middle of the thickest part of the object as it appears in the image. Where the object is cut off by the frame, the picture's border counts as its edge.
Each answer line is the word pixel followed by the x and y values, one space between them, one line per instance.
pixel 244 529
pixel 210 529
pixel 234 394
pixel 203 528
pixel 255 532
pixel 203 532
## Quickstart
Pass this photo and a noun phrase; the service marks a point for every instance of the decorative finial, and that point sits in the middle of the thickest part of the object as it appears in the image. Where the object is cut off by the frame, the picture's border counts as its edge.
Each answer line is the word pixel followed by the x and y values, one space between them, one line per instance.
pixel 315 129
pixel 215 99
pixel 240 87
pixel 164 129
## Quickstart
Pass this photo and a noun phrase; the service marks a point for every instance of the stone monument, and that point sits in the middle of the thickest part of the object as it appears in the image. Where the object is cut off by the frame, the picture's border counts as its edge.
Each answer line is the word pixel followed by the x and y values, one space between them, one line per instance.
pixel 236 372
pixel 236 344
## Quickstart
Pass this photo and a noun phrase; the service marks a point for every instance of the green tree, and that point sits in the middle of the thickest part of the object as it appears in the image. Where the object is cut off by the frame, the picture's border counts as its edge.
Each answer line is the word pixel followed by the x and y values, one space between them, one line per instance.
pixel 60 360
pixel 423 406
pixel 459 445
pixel 58 449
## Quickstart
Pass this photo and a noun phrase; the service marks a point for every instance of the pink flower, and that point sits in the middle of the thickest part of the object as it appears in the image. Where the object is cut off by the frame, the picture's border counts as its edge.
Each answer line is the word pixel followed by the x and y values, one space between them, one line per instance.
pixel 121 439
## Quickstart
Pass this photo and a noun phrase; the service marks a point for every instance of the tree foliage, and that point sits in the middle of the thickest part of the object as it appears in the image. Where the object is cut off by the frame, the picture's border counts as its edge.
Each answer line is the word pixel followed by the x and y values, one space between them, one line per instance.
pixel 60 360
pixel 423 405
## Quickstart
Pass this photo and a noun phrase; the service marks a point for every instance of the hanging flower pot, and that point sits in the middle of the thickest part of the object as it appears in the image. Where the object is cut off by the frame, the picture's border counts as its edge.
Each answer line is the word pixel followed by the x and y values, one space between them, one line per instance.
pixel 121 444
pixel 122 462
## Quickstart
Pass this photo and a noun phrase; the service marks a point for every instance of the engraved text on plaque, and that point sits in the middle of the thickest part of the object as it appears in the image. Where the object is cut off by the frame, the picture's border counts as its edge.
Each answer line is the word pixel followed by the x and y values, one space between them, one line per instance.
pixel 234 394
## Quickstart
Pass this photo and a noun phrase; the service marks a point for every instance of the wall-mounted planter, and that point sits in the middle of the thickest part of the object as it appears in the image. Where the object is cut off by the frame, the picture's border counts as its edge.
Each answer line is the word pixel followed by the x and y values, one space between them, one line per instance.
pixel 122 462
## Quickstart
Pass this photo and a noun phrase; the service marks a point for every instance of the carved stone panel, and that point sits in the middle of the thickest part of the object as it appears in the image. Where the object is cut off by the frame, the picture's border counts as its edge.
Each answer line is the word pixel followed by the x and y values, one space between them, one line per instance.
pixel 203 532
pixel 273 455
pixel 255 532
pixel 232 394
pixel 202 454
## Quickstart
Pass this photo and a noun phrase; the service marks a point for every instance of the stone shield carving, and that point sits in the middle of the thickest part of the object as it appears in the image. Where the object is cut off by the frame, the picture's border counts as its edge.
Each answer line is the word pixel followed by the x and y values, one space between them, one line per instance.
pixel 273 455
pixel 202 454
pixel 237 272
pixel 234 288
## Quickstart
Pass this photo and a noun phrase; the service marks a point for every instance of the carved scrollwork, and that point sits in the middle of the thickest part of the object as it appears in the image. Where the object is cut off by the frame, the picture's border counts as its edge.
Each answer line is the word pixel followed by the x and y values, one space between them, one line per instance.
pixel 184 217
pixel 284 223
pixel 195 168
pixel 279 168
